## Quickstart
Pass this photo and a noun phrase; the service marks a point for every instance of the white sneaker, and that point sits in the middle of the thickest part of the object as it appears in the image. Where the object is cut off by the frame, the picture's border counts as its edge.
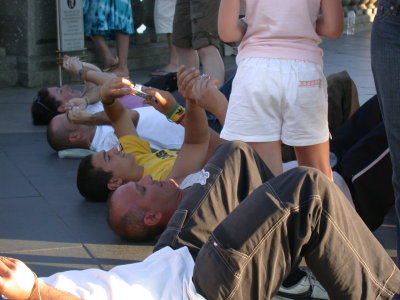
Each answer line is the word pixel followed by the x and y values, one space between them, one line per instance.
pixel 307 288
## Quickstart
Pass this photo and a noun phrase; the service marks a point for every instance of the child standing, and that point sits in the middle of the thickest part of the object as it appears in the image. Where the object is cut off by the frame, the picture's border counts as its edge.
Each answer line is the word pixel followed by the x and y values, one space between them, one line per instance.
pixel 280 77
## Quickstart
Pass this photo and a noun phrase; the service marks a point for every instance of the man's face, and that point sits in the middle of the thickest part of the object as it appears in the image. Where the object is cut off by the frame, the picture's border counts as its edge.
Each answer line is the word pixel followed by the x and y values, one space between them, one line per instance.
pixel 120 164
pixel 63 93
pixel 147 194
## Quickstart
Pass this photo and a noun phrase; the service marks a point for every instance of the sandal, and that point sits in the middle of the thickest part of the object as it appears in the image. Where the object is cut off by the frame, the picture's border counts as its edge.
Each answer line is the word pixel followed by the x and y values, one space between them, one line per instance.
pixel 113 67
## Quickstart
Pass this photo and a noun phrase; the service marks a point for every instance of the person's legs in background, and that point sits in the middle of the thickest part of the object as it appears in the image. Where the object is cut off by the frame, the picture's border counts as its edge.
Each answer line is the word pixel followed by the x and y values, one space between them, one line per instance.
pixel 122 44
pixel 164 11
pixel 298 214
pixel 212 63
pixel 271 153
pixel 385 49
pixel 316 156
pixel 198 42
pixel 109 60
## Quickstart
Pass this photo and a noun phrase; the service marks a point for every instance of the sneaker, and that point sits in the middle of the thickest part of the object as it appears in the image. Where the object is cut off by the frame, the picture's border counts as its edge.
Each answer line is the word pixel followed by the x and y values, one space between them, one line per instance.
pixel 307 288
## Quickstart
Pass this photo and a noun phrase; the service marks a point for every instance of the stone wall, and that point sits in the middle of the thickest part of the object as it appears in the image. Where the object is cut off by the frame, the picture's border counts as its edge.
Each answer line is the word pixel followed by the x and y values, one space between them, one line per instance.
pixel 28 42
pixel 28 45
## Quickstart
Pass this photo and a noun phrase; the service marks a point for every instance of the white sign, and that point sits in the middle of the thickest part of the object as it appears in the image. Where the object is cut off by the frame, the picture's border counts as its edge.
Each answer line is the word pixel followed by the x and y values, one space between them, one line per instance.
pixel 70 25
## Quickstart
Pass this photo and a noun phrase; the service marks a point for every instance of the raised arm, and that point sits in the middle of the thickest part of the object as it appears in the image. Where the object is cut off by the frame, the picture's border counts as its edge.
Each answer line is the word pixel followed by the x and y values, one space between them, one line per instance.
pixel 18 282
pixel 78 116
pixel 116 112
pixel 200 141
pixel 330 23
pixel 230 27
pixel 208 96
pixel 86 71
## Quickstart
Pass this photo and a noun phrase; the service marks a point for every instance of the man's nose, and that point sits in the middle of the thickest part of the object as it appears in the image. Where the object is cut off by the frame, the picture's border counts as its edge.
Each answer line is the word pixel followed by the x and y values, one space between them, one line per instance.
pixel 147 179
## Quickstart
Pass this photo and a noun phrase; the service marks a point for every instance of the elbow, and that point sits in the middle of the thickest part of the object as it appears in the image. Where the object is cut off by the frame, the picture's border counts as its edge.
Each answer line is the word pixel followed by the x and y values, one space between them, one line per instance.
pixel 225 36
pixel 334 33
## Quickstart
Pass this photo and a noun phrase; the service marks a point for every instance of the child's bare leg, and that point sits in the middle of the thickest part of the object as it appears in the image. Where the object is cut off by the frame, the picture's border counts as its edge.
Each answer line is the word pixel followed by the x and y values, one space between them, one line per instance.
pixel 122 41
pixel 316 156
pixel 271 154
pixel 105 52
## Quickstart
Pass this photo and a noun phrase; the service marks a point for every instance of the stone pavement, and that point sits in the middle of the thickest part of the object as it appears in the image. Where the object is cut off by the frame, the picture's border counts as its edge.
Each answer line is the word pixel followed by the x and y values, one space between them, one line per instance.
pixel 44 220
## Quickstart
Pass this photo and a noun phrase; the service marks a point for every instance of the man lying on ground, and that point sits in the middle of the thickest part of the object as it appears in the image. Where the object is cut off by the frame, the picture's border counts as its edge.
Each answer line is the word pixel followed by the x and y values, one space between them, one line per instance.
pixel 103 172
pixel 217 246
pixel 88 131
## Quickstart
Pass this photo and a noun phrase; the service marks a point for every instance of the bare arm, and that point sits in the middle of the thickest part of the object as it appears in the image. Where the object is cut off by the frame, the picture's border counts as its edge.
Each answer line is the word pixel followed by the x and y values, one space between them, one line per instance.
pixel 100 118
pixel 116 112
pixel 17 282
pixel 200 141
pixel 230 28
pixel 207 95
pixel 330 23
pixel 90 72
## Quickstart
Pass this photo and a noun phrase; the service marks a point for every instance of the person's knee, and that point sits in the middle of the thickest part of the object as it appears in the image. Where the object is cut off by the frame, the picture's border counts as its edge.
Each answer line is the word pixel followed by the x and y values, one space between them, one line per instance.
pixel 207 51
pixel 232 147
pixel 308 179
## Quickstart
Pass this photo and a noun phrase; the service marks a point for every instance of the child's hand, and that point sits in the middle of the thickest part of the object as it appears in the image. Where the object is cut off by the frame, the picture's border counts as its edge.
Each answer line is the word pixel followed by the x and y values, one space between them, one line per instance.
pixel 115 88
pixel 165 101
pixel 206 93
pixel 186 78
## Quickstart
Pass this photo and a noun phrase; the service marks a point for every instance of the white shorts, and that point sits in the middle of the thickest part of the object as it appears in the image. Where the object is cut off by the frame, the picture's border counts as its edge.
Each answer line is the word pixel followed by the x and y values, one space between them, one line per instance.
pixel 278 100
pixel 164 11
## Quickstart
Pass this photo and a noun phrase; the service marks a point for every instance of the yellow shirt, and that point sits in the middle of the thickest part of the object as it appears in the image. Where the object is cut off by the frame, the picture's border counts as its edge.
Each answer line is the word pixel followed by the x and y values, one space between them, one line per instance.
pixel 158 164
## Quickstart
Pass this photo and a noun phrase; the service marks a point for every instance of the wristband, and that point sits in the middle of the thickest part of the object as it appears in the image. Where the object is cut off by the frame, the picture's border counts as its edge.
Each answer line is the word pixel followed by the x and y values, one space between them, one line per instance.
pixel 180 119
pixel 173 111
pixel 84 73
pixel 80 73
pixel 177 114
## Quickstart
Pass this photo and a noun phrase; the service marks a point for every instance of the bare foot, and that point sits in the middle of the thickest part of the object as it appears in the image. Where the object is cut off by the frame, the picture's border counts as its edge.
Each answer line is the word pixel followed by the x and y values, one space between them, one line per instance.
pixel 164 70
pixel 121 72
pixel 110 63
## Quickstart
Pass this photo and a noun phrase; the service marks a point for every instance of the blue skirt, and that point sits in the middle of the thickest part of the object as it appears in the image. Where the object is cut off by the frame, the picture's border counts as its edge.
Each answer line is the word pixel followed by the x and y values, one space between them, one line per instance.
pixel 104 17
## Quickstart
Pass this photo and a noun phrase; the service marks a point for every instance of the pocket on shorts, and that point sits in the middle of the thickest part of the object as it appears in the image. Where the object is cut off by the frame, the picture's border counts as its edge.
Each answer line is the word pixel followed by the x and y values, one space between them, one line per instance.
pixel 310 90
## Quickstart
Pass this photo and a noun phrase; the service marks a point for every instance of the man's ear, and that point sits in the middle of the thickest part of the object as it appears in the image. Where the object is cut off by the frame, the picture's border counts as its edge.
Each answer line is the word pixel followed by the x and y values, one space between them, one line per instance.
pixel 61 108
pixel 152 218
pixel 114 183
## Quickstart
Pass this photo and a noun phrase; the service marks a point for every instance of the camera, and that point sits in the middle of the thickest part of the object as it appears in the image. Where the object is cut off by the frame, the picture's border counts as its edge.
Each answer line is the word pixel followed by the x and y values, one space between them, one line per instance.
pixel 137 90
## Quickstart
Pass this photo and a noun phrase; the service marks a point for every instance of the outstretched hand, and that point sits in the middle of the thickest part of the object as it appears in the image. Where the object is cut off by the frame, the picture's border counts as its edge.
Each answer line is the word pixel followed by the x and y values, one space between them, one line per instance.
pixel 205 92
pixel 16 279
pixel 76 103
pixel 165 103
pixel 115 88
pixel 72 64
pixel 186 79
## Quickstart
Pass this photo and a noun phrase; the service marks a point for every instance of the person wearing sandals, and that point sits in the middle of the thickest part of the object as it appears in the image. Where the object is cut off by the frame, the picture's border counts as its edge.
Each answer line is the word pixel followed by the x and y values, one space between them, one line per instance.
pixel 110 19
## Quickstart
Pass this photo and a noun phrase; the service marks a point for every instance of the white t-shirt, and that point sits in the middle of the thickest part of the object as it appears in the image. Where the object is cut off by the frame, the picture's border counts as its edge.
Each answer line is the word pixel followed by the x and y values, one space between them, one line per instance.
pixel 152 127
pixel 104 139
pixel 165 274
